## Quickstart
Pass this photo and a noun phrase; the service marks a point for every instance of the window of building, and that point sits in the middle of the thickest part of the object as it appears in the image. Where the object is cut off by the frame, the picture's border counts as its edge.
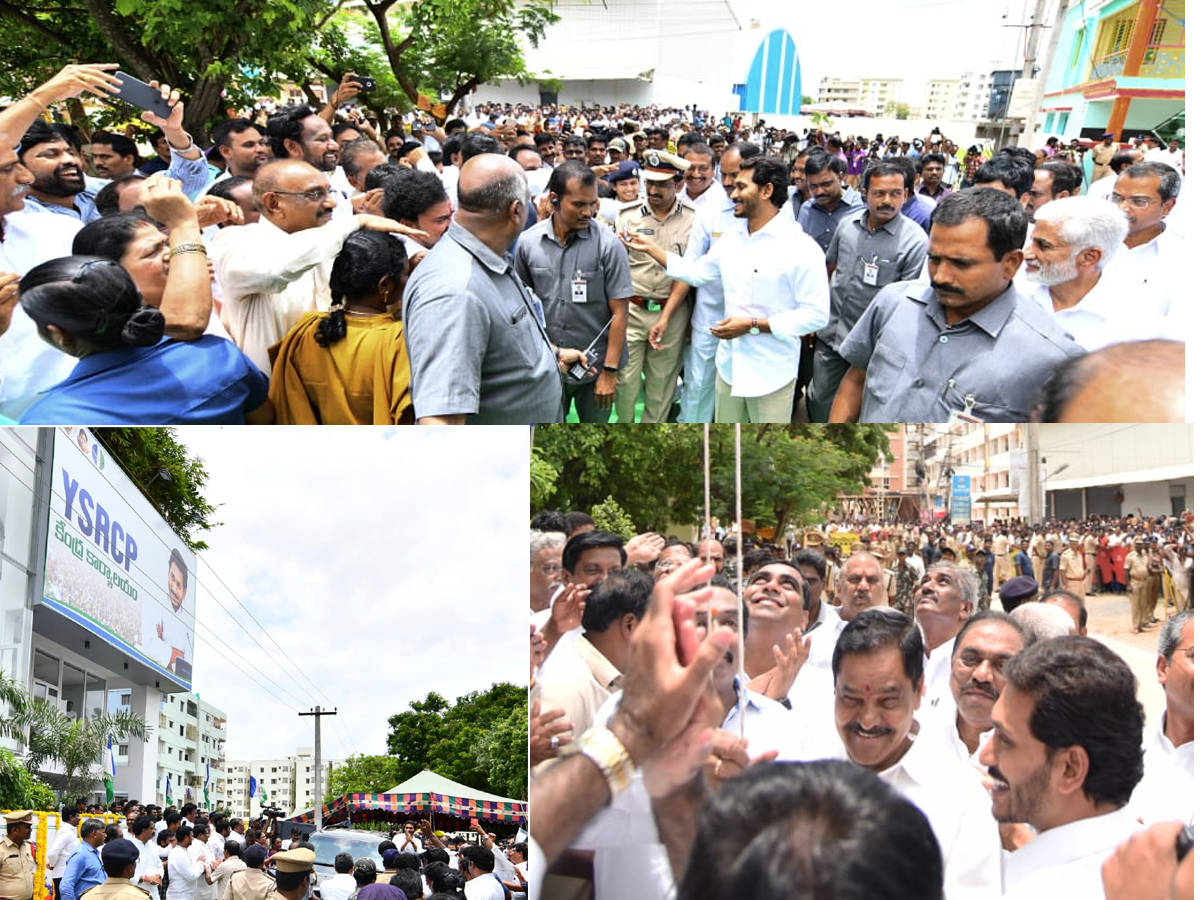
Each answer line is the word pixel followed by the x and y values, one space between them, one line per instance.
pixel 123 749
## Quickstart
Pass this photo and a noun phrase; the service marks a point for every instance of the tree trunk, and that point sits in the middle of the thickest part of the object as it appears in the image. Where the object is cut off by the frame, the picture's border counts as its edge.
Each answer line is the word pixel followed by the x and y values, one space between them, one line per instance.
pixel 127 48
pixel 204 104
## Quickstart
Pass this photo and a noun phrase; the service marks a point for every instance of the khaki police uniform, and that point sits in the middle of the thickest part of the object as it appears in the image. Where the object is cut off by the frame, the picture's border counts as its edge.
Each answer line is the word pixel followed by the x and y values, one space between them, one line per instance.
pixel 1073 568
pixel 115 889
pixel 16 862
pixel 251 884
pixel 1142 587
pixel 651 286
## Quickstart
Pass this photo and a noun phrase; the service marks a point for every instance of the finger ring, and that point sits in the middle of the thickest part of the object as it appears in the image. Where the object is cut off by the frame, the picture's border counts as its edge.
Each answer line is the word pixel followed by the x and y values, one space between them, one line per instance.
pixel 554 742
pixel 717 770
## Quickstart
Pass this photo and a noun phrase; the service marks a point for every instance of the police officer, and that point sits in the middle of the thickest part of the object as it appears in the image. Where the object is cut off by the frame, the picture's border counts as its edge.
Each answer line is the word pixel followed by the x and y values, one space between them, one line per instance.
pixel 252 883
pixel 294 873
pixel 659 311
pixel 16 859
pixel 119 858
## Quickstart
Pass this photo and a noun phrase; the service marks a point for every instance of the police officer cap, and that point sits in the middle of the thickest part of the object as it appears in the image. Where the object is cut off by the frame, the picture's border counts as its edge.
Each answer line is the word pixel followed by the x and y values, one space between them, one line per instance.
pixel 627 169
pixel 16 818
pixel 121 850
pixel 295 861
pixel 1020 588
pixel 659 165
pixel 255 854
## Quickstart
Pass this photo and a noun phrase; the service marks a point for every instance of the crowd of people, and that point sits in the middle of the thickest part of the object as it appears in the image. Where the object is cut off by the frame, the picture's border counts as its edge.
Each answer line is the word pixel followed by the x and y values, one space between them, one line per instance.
pixel 881 725
pixel 518 265
pixel 185 854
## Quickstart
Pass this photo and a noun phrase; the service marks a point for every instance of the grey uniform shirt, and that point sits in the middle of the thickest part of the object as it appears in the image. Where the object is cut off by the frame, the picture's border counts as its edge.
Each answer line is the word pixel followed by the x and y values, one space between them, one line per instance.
pixel 896 249
pixel 476 339
pixel 919 369
pixel 594 256
pixel 819 223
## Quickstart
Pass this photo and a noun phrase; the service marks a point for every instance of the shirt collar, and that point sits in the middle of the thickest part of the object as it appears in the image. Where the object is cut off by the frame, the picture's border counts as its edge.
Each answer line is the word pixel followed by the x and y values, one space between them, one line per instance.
pixel 990 319
pixel 109 359
pixel 891 226
pixel 487 257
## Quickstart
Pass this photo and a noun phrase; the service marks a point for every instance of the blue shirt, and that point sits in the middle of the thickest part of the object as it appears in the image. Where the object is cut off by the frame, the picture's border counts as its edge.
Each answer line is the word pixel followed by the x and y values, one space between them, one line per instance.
pixel 84 870
pixel 919 208
pixel 819 223
pixel 207 381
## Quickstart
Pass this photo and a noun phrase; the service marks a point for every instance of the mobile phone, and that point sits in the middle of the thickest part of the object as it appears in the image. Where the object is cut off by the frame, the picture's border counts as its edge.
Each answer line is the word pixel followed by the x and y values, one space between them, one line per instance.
pixel 142 95
pixel 366 83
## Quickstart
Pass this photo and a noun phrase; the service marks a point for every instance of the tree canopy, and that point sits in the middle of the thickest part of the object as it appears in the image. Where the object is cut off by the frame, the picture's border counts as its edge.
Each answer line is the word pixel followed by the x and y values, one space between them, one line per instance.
pixel 228 53
pixel 655 473
pixel 471 741
pixel 363 773
pixel 142 452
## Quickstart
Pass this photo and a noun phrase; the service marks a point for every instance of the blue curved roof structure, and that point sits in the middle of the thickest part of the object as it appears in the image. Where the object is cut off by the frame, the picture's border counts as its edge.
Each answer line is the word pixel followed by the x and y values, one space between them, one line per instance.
pixel 773 82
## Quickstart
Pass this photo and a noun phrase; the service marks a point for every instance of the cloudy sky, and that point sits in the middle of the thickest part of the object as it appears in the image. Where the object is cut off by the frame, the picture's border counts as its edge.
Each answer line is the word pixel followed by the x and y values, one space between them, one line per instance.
pixel 386 563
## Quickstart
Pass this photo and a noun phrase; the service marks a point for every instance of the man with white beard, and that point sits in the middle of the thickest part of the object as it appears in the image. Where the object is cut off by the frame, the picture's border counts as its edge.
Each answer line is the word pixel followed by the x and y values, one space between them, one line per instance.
pixel 1067 273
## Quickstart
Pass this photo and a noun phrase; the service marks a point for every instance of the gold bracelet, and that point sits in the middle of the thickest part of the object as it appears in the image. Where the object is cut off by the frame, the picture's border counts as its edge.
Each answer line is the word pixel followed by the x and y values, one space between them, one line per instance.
pixel 190 247
pixel 605 749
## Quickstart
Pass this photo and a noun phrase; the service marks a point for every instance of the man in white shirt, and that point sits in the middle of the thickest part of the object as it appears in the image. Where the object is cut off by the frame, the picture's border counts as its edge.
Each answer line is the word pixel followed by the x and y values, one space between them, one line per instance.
pixel 1167 792
pixel 1065 757
pixel 630 862
pixel 878 682
pixel 981 649
pixel 274 271
pixel 1071 272
pixel 699 357
pixel 947 597
pixel 860 585
pixel 149 872
pixel 776 291
pixel 407 841
pixel 66 839
pixel 482 883
pixel 342 884
pixel 1157 261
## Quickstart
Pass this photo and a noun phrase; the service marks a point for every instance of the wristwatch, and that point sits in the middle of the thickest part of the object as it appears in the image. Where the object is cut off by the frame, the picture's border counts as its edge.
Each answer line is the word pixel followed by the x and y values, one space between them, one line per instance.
pixel 754 327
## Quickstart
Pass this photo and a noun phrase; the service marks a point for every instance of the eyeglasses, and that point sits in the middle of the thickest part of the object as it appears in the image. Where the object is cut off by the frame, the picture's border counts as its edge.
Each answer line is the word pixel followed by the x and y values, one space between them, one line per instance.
pixel 1136 202
pixel 316 195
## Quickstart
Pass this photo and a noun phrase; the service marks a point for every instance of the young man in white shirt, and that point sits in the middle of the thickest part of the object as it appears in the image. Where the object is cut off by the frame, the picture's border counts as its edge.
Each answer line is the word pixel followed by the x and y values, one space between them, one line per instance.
pixel 66 839
pixel 1064 757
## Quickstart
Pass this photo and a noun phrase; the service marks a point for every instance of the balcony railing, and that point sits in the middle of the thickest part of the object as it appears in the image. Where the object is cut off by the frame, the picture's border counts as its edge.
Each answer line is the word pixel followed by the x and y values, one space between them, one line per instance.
pixel 1160 61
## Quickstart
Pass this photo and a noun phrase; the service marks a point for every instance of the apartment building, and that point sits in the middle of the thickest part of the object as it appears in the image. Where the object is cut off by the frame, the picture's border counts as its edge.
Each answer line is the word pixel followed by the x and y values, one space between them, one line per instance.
pixel 289 783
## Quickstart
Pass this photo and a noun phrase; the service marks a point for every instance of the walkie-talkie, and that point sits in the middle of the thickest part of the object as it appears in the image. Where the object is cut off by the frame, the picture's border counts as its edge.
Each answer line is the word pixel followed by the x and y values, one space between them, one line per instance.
pixel 579 371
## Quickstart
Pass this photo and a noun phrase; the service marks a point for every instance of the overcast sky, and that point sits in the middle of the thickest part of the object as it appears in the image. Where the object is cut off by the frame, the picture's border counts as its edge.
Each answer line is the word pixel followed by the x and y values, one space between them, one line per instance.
pixel 386 562
pixel 916 40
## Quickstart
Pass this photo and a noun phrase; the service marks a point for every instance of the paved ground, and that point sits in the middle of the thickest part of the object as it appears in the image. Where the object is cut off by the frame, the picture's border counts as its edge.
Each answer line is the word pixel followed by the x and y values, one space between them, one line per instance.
pixel 1108 622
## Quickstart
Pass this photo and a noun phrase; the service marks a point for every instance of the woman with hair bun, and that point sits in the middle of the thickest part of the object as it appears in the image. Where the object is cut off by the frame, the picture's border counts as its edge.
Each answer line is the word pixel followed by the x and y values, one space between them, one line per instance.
pixel 129 373
pixel 349 366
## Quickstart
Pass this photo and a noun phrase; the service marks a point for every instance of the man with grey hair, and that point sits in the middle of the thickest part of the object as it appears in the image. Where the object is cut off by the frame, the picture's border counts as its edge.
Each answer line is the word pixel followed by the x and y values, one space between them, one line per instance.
pixel 476 335
pixel 1167 792
pixel 947 596
pixel 1067 273
pixel 1043 621
pixel 545 568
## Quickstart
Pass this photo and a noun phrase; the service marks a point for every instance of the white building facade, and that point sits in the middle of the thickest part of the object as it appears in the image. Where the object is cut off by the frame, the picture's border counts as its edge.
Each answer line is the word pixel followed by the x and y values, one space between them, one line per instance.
pixel 62 575
pixel 290 782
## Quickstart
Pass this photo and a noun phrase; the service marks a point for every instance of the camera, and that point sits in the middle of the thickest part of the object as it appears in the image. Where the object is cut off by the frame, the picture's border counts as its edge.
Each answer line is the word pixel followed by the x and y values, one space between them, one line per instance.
pixel 365 82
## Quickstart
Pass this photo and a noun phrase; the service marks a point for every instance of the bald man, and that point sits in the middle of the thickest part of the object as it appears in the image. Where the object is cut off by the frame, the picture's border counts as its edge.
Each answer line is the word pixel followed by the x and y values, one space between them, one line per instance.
pixel 1139 381
pixel 274 271
pixel 476 336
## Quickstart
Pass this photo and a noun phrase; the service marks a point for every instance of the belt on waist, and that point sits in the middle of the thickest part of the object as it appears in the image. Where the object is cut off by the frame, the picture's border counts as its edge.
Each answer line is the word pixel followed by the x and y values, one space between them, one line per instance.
pixel 650 303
